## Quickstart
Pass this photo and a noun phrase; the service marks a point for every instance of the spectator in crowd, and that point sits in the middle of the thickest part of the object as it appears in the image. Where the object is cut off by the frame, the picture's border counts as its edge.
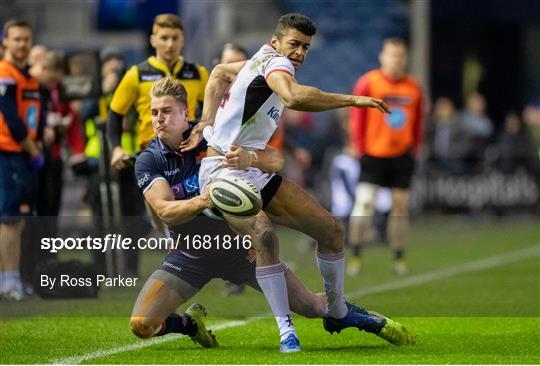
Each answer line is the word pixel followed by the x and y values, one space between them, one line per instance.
pixel 531 118
pixel 35 59
pixel 94 112
pixel 21 123
pixel 447 138
pixel 516 149
pixel 387 144
pixel 478 129
pixel 297 140
pixel 62 129
pixel 233 53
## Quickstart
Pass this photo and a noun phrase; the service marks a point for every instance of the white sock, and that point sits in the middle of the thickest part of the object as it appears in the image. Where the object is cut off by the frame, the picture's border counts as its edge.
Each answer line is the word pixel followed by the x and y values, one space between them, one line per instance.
pixel 332 268
pixel 271 279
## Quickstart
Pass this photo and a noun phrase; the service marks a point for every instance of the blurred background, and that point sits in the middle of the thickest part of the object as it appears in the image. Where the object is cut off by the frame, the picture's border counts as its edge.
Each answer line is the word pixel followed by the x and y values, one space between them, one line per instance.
pixel 472 58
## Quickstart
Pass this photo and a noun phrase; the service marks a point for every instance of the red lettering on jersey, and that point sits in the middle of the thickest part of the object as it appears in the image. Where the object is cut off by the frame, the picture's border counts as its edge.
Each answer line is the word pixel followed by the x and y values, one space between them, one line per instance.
pixel 225 100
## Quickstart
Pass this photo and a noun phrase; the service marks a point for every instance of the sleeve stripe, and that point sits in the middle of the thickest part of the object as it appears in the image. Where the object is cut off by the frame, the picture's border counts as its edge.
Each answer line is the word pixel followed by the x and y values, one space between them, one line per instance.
pixel 283 70
pixel 152 182
pixel 7 81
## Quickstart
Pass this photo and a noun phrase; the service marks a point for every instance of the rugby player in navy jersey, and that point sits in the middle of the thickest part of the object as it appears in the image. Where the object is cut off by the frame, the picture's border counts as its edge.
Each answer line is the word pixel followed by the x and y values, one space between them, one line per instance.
pixel 169 183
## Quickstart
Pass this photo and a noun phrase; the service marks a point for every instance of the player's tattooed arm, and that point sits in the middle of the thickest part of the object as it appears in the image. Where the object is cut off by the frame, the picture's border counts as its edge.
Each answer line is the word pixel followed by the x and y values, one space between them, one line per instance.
pixel 173 212
pixel 307 98
pixel 268 160
pixel 216 89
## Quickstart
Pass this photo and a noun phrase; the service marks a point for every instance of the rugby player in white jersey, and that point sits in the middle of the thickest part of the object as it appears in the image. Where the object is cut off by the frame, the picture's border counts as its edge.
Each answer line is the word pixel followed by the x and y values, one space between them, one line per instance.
pixel 168 181
pixel 243 102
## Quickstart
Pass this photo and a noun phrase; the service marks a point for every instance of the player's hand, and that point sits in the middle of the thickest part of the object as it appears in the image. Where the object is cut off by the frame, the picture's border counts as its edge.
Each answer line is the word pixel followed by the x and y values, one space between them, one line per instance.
pixel 119 158
pixel 238 158
pixel 194 139
pixel 205 197
pixel 368 102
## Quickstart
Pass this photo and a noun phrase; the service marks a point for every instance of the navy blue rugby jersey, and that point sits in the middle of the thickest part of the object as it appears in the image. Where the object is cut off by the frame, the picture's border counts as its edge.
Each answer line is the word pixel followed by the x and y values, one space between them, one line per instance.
pixel 181 171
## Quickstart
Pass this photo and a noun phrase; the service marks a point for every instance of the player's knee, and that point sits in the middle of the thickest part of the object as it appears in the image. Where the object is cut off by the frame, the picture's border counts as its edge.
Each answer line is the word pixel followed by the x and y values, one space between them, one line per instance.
pixel 143 327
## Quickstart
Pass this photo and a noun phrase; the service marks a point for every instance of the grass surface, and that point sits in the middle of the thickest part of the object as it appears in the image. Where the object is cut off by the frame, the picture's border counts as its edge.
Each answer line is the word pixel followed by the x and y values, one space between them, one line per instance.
pixel 479 315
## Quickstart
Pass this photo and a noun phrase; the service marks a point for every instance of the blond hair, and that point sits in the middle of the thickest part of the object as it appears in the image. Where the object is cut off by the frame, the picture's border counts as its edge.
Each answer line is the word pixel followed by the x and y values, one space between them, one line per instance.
pixel 167 21
pixel 170 87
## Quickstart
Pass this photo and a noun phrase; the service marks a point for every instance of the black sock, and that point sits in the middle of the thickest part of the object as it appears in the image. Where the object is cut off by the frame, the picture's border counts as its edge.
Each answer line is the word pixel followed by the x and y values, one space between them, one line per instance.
pixel 177 323
pixel 356 250
pixel 398 254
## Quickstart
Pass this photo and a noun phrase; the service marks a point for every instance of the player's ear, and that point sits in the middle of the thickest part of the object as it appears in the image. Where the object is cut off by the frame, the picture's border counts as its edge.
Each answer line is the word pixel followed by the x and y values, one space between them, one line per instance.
pixel 153 40
pixel 274 41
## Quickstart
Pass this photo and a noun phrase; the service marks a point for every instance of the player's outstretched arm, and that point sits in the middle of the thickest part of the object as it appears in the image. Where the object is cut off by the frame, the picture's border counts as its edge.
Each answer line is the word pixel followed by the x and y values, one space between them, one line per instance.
pixel 161 198
pixel 268 160
pixel 219 82
pixel 307 98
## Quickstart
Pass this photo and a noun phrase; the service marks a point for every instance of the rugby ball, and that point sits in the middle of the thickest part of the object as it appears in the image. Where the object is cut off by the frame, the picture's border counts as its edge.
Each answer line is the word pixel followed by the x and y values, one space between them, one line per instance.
pixel 236 196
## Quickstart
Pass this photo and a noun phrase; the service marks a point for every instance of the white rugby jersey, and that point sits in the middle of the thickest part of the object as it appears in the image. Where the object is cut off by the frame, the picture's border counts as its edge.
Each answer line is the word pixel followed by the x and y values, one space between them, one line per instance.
pixel 250 111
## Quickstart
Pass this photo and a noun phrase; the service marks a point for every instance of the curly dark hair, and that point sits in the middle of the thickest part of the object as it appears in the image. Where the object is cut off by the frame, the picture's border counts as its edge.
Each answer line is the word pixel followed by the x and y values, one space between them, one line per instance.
pixel 296 21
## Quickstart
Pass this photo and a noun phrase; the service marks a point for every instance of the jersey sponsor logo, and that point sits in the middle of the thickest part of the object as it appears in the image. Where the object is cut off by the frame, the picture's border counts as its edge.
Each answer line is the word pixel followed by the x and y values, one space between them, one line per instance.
pixel 30 94
pixel 274 114
pixel 151 77
pixel 178 191
pixel 172 266
pixel 398 99
pixel 168 173
pixel 191 185
pixel 145 178
pixel 188 74
pixel 397 118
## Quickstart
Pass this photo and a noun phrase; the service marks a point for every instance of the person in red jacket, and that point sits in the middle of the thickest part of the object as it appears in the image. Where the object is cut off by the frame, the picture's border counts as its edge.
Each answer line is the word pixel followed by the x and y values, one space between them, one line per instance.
pixel 386 145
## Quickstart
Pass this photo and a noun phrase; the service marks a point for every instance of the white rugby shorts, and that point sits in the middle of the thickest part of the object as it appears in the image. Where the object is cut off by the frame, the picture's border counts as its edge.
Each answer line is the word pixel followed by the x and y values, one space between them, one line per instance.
pixel 211 169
